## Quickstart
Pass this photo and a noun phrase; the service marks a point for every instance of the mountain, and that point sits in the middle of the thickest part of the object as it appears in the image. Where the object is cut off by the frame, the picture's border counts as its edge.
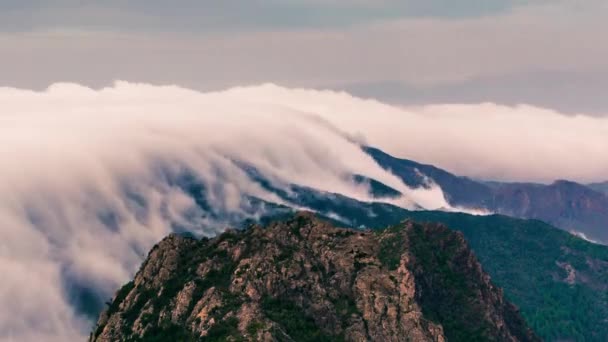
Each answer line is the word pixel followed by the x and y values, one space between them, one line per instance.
pixel 568 205
pixel 601 187
pixel 565 204
pixel 559 281
pixel 459 191
pixel 304 280
pixel 530 259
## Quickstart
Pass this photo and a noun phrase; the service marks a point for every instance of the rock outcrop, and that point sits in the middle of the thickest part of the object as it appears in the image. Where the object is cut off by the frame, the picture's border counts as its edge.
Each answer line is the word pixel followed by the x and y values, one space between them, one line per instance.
pixel 304 280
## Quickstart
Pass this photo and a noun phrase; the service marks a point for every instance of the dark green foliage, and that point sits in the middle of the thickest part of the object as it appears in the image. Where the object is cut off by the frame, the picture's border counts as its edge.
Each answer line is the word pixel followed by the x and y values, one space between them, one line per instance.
pixel 345 306
pixel 228 236
pixel 392 246
pixel 445 293
pixel 120 296
pixel 287 253
pixel 115 303
pixel 188 261
pixel 230 303
pixel 219 278
pixel 294 321
pixel 223 330
pixel 169 332
pixel 254 327
pixel 522 255
pixel 130 315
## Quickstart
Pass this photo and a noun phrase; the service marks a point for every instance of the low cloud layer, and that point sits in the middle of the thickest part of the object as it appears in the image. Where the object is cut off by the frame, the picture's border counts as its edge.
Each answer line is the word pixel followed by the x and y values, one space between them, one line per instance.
pixel 86 176
pixel 487 141
pixel 88 185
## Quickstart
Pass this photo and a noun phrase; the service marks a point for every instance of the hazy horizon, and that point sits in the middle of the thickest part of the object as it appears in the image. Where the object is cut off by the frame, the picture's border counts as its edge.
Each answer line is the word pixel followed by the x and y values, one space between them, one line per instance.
pixel 547 54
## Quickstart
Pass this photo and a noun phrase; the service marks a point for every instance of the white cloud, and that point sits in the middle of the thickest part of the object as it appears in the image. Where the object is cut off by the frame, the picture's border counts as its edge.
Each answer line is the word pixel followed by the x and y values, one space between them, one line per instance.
pixel 560 38
pixel 85 194
pixel 518 143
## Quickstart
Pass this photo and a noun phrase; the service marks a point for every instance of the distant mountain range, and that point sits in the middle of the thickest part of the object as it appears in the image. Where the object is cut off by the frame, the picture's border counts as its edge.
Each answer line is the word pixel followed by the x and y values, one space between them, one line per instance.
pixel 568 205
pixel 601 187
pixel 558 280
pixel 577 208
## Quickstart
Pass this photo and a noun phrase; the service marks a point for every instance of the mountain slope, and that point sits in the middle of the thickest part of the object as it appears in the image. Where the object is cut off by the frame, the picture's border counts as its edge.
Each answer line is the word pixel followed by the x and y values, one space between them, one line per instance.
pixel 520 255
pixel 529 259
pixel 567 205
pixel 303 280
pixel 459 191
pixel 559 281
pixel 600 187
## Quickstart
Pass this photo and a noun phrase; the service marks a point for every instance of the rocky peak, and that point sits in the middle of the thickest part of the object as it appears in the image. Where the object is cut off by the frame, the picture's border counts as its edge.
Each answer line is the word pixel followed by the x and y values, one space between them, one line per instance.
pixel 302 280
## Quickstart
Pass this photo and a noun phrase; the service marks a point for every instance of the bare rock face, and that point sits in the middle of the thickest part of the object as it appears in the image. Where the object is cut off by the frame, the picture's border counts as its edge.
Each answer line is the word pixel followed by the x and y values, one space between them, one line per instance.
pixel 304 280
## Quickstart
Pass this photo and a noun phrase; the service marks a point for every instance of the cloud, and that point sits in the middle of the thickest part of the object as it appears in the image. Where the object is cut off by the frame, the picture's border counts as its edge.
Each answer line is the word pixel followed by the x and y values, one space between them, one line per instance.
pixel 488 141
pixel 229 15
pixel 548 54
pixel 568 92
pixel 91 179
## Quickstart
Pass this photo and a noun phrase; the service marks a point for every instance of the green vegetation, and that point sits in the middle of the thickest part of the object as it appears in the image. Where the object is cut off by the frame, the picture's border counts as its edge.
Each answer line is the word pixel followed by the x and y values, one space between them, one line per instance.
pixel 526 258
pixel 392 246
pixel 168 332
pixel 223 330
pixel 522 257
pixel 254 327
pixel 445 292
pixel 187 262
pixel 115 303
pixel 294 321
pixel 130 315
pixel 345 306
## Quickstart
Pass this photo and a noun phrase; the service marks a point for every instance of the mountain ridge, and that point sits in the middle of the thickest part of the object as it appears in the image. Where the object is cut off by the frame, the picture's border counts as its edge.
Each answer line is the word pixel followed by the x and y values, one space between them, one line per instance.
pixel 512 251
pixel 567 205
pixel 333 284
pixel 600 186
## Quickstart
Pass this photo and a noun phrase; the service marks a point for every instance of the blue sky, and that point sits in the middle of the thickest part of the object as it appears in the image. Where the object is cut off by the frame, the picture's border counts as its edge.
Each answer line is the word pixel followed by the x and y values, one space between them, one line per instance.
pixel 546 53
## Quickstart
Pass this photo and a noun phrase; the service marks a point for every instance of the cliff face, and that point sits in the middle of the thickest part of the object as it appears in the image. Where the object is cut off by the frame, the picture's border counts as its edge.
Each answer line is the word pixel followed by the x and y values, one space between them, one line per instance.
pixel 303 280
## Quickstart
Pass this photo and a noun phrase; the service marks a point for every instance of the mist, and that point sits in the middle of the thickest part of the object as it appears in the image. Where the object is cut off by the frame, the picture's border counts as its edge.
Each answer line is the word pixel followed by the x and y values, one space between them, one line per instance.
pixel 88 184
pixel 88 177
pixel 485 141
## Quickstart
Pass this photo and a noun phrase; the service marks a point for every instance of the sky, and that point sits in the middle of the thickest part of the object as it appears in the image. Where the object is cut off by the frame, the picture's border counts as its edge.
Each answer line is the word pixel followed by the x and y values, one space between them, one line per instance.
pixel 551 54
pixel 103 102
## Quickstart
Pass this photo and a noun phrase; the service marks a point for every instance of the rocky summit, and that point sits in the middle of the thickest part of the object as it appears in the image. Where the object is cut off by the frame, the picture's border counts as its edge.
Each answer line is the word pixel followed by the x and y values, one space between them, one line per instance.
pixel 301 279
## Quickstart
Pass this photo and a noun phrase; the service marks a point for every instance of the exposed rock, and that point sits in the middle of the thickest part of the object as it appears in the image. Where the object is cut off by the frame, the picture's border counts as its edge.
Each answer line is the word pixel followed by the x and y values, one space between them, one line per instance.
pixel 571 272
pixel 304 280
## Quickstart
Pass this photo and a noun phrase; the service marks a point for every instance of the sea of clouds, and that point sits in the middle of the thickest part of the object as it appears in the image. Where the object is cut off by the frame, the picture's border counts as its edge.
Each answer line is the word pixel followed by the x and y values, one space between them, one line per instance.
pixel 87 176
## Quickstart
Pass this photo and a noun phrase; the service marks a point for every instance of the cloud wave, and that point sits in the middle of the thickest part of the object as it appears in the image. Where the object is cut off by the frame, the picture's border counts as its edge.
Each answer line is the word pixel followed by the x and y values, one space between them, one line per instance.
pixel 88 183
pixel 88 177
pixel 486 140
